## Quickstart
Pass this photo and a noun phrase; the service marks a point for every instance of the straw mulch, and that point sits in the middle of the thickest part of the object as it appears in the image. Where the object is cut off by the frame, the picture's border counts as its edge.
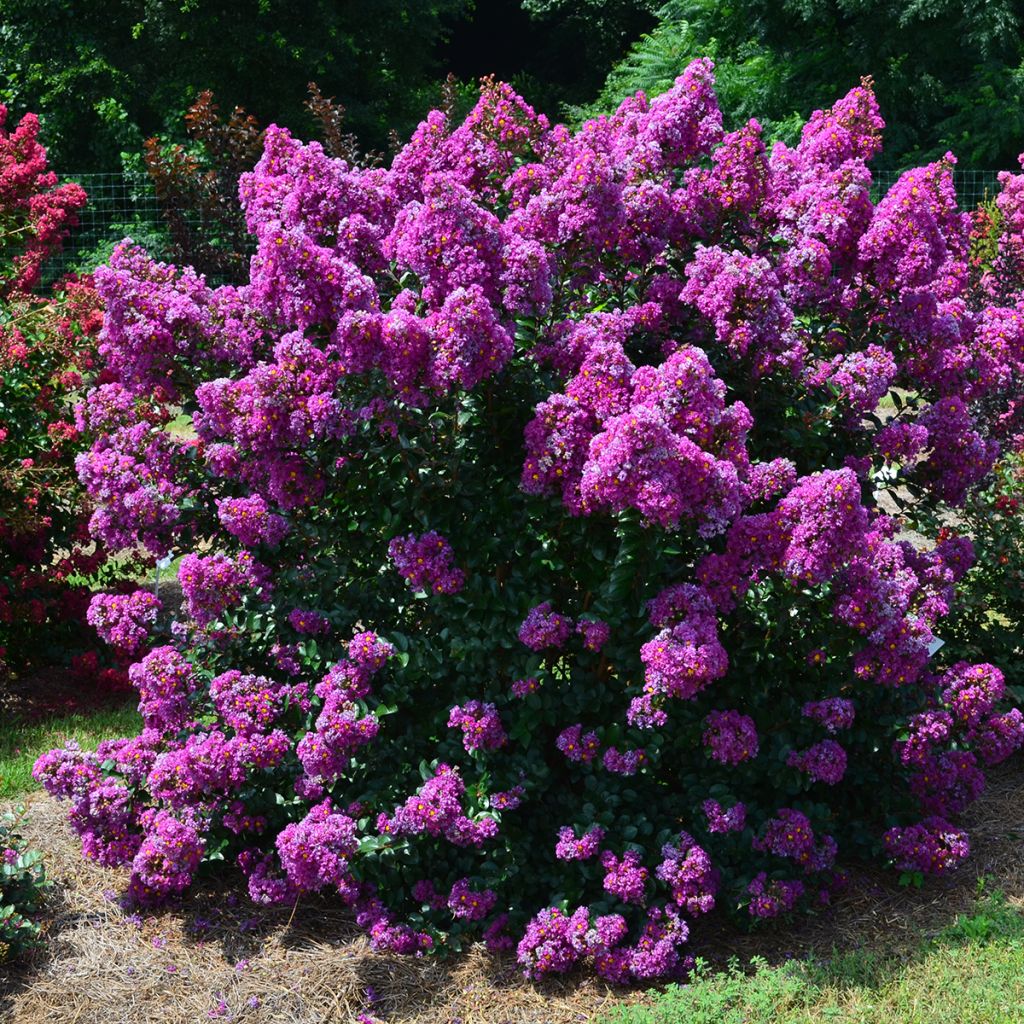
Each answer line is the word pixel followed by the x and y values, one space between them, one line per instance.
pixel 217 958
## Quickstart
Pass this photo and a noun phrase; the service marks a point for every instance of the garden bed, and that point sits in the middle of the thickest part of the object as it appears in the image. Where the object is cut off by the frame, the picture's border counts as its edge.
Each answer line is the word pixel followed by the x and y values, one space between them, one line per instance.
pixel 220 958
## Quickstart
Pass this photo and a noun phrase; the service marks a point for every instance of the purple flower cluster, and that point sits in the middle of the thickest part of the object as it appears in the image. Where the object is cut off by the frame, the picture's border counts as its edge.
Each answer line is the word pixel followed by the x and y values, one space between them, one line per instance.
pixel 721 820
pixel 627 762
pixel 543 628
pixel 569 847
pixel 164 680
pixel 317 851
pixel 427 563
pixel 834 713
pixel 731 737
pixel 687 870
pixel 436 810
pixel 931 846
pixel 823 762
pixel 308 622
pixel 578 745
pixel 469 904
pixel 168 856
pixel 625 876
pixel 251 521
pixel 124 620
pixel 594 632
pixel 772 898
pixel 685 657
pixel 480 724
pixel 214 584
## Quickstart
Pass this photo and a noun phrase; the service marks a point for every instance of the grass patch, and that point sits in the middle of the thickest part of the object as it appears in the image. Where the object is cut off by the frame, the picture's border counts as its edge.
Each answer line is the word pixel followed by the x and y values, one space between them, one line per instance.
pixel 972 972
pixel 22 742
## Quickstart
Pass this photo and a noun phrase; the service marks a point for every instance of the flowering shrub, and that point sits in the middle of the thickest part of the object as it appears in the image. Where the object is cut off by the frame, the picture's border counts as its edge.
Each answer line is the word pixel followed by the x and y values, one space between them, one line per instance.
pixel 47 355
pixel 987 618
pixel 23 885
pixel 535 584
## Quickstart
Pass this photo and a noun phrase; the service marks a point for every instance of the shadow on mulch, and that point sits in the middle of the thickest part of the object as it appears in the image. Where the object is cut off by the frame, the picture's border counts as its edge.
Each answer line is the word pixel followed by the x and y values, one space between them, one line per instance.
pixel 53 691
pixel 218 957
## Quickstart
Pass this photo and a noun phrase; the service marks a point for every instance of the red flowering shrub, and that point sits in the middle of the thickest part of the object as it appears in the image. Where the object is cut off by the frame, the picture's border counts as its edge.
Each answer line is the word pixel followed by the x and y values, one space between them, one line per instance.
pixel 535 586
pixel 47 360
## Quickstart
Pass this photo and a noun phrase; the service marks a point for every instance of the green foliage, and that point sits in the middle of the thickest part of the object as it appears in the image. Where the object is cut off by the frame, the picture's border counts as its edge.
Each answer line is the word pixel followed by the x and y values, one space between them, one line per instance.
pixel 970 972
pixel 22 887
pixel 747 81
pixel 775 59
pixel 101 76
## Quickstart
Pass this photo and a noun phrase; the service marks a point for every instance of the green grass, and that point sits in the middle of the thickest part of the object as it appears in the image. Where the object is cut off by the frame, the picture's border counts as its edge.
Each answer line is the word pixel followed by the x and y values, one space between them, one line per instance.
pixel 22 742
pixel 970 973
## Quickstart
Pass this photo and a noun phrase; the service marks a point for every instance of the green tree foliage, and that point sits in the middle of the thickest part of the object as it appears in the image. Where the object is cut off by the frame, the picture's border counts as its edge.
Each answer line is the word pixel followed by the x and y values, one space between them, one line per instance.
pixel 104 76
pixel 948 75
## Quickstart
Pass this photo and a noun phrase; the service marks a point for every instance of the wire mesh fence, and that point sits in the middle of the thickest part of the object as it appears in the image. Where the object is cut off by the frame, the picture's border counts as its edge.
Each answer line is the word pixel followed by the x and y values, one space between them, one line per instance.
pixel 123 205
pixel 973 186
pixel 120 205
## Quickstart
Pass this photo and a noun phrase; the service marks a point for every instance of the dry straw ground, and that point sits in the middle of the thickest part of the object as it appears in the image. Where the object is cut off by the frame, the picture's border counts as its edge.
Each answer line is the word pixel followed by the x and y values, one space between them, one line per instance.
pixel 216 957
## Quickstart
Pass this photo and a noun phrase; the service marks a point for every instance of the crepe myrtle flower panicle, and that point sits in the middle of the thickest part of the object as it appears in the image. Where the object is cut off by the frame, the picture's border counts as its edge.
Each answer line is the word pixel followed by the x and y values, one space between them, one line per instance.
pixel 731 737
pixel 823 762
pixel 480 724
pixel 569 847
pixel 317 850
pixel 524 687
pixel 594 632
pixel 687 870
pixel 543 628
pixel 789 834
pixel 165 681
pixel 625 876
pixel 308 622
pixel 770 899
pixel 553 942
pixel 168 857
pixel 470 904
pixel 66 771
pixel 972 691
pixel 509 799
pixel 214 583
pixel 680 661
pixel 577 745
pixel 251 521
pixel 369 651
pixel 626 762
pixel 998 736
pixel 734 819
pixel 932 846
pixel 124 620
pixel 834 713
pixel 427 563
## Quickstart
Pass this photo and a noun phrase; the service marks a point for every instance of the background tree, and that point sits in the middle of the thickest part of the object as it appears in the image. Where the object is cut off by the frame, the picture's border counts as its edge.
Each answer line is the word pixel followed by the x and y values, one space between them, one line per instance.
pixel 947 75
pixel 104 76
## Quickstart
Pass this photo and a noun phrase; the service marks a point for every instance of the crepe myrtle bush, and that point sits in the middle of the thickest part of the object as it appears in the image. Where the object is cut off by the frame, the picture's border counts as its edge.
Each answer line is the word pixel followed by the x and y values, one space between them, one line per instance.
pixel 535 587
